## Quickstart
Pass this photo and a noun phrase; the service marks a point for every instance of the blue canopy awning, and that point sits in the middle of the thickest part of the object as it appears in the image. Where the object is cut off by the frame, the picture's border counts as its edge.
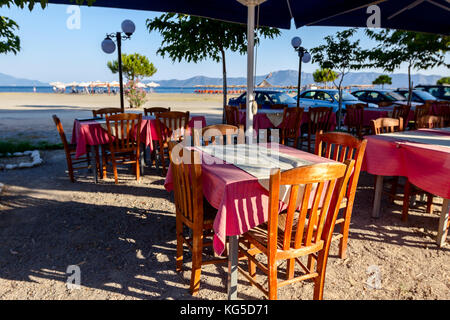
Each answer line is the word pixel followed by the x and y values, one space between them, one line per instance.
pixel 417 15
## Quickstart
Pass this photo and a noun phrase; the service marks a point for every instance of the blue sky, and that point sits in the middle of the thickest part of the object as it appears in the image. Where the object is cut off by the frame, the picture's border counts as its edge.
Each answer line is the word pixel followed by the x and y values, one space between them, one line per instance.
pixel 53 52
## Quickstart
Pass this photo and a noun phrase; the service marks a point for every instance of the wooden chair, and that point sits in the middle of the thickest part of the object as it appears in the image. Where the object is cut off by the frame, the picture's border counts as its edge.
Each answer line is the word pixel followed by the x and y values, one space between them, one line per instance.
pixel 386 125
pixel 319 119
pixel 232 115
pixel 243 106
pixel 170 125
pixel 70 150
pixel 106 112
pixel 124 141
pixel 278 106
pixel 444 112
pixel 419 112
pixel 301 231
pixel 219 134
pixel 341 146
pixel 153 111
pixel 290 129
pixel 355 119
pixel 430 122
pixel 401 111
pixel 193 212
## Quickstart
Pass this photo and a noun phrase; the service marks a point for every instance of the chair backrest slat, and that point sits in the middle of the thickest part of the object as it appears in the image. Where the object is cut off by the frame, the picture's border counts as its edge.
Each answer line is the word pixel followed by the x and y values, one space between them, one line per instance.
pixel 317 182
pixel 188 193
pixel 226 134
pixel 153 111
pixel 350 148
pixel 172 125
pixel 124 130
pixel 319 119
pixel 106 112
pixel 430 122
pixel 386 125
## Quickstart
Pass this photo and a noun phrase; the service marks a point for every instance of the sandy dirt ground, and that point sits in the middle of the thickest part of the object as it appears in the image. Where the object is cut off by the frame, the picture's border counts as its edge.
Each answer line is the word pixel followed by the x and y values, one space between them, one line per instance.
pixel 122 237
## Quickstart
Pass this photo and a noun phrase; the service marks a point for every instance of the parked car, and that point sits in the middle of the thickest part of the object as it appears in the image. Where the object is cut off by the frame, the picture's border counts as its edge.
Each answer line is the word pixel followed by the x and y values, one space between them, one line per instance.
pixel 419 96
pixel 383 98
pixel 328 98
pixel 439 91
pixel 266 98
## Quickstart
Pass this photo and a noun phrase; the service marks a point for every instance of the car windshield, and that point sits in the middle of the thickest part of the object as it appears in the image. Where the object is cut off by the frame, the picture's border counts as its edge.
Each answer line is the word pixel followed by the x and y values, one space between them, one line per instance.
pixel 280 98
pixel 394 96
pixel 424 95
pixel 346 96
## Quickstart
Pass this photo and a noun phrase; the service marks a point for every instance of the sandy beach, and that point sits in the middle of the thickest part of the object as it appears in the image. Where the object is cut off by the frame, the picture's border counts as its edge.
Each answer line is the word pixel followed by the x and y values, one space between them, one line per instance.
pixel 34 110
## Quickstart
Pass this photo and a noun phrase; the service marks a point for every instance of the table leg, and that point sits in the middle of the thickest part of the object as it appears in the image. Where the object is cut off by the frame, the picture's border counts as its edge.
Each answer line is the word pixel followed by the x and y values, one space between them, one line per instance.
pixel 93 151
pixel 443 223
pixel 377 197
pixel 233 247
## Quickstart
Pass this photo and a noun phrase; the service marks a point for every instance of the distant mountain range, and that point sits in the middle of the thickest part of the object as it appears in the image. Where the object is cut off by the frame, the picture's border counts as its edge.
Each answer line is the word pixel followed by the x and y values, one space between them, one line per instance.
pixel 7 80
pixel 290 77
pixel 278 78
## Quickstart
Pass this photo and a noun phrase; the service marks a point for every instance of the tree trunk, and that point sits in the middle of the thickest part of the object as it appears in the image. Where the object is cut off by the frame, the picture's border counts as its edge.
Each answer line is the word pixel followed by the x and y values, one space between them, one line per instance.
pixel 409 85
pixel 224 75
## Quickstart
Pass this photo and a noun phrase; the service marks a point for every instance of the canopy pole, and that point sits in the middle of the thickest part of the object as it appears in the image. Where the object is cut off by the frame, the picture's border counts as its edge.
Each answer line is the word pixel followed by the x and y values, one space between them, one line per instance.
pixel 250 69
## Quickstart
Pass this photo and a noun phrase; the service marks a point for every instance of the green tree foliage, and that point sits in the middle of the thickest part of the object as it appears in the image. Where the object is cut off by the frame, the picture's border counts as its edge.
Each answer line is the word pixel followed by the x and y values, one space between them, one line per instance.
pixel 341 53
pixel 9 41
pixel 416 50
pixel 325 75
pixel 444 80
pixel 195 39
pixel 135 67
pixel 382 80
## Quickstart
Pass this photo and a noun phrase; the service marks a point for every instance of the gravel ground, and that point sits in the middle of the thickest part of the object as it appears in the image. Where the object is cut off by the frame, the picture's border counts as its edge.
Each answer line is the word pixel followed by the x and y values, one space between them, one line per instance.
pixel 122 237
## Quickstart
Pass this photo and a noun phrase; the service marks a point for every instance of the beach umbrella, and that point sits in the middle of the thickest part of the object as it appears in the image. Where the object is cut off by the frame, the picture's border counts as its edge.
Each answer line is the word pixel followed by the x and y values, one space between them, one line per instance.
pixel 114 84
pixel 153 85
pixel 141 85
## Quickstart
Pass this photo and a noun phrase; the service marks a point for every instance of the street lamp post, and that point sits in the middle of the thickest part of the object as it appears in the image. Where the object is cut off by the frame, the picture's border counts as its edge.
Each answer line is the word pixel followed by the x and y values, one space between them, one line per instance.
pixel 108 46
pixel 305 57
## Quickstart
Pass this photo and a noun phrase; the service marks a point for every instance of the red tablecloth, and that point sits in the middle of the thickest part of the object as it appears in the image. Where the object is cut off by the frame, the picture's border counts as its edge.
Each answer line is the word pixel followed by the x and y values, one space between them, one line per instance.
pixel 426 165
pixel 91 133
pixel 241 201
pixel 261 121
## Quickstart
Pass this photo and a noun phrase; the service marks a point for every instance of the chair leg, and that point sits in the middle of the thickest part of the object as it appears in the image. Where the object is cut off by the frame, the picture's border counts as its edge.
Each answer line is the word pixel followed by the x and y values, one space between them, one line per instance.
pixel 251 265
pixel 406 200
pixel 319 281
pixel 197 249
pixel 273 281
pixel 113 160
pixel 179 258
pixel 104 163
pixel 162 159
pixel 97 161
pixel 290 268
pixel 344 230
pixel 70 168
pixel 394 189
pixel 429 203
pixel 138 170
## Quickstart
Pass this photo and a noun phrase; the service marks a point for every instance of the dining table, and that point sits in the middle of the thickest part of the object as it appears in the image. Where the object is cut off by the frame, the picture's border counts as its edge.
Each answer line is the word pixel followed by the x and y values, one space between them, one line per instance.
pixel 239 190
pixel 422 156
pixel 273 118
pixel 92 132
